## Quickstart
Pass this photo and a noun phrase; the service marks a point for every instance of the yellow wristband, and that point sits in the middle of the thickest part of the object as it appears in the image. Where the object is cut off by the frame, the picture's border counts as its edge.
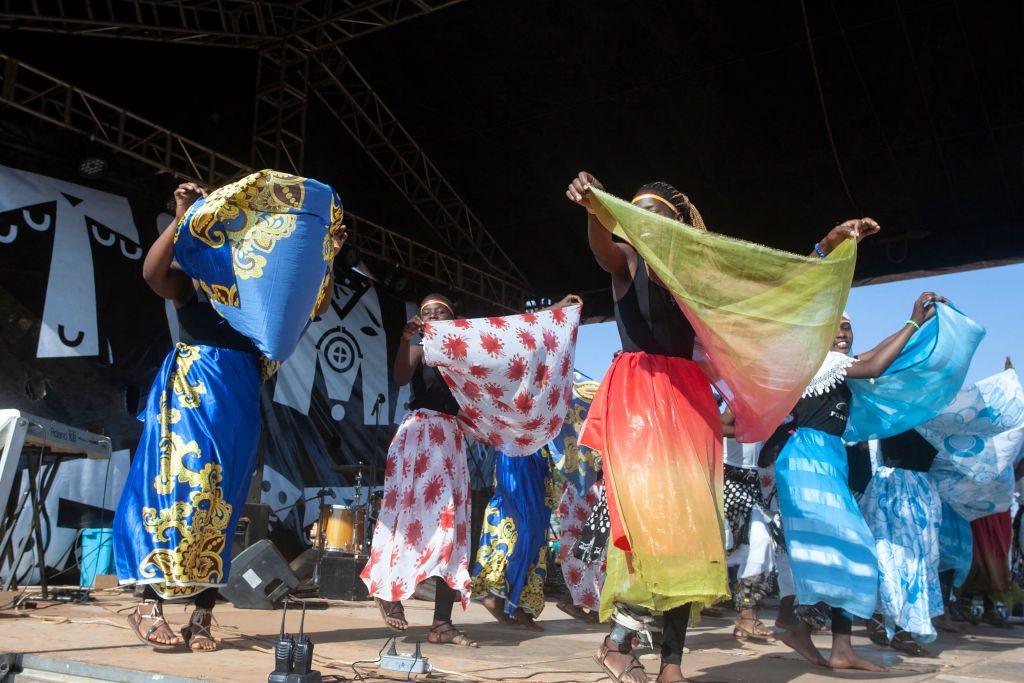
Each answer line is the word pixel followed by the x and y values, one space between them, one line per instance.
pixel 911 322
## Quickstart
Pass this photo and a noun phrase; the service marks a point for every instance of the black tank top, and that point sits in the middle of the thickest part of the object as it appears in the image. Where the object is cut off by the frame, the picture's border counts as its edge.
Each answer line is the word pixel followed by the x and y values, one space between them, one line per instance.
pixel 430 391
pixel 907 451
pixel 827 413
pixel 649 319
pixel 198 323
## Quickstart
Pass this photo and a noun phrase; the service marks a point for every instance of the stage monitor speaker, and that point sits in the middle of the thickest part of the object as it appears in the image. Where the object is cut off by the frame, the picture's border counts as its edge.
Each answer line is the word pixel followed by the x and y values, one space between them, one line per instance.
pixel 260 578
pixel 339 577
pixel 253 526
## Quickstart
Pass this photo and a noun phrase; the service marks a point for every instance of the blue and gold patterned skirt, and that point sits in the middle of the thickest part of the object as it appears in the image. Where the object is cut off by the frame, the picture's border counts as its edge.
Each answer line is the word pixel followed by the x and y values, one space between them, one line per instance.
pixel 188 481
pixel 511 559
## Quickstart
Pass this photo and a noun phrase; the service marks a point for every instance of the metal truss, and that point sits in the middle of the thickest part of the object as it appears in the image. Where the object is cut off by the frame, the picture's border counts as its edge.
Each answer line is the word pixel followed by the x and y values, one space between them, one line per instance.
pixel 279 119
pixel 348 96
pixel 51 99
pixel 298 43
pixel 421 260
pixel 310 24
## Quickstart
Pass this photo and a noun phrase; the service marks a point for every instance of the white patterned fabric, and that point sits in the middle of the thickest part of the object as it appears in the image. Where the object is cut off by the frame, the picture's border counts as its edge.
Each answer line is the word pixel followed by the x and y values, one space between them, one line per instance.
pixel 979 436
pixel 512 376
pixel 583 579
pixel 904 512
pixel 424 521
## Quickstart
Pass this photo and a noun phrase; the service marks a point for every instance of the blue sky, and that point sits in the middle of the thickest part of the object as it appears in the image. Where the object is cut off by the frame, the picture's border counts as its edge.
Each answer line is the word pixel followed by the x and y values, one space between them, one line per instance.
pixel 994 297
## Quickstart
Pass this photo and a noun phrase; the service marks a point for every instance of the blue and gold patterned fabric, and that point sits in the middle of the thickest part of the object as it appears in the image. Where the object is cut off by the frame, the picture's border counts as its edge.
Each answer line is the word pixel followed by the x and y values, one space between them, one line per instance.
pixel 261 248
pixel 511 560
pixel 191 472
pixel 578 465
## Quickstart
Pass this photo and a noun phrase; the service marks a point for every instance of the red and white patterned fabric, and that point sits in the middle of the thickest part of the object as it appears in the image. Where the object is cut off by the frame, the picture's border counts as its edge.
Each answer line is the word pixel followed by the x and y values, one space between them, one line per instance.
pixel 583 579
pixel 424 522
pixel 512 376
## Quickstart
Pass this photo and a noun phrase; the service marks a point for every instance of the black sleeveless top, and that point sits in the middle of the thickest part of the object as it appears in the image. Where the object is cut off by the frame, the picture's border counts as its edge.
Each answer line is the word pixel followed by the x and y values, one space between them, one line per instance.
pixel 907 451
pixel 430 391
pixel 198 323
pixel 649 319
pixel 827 413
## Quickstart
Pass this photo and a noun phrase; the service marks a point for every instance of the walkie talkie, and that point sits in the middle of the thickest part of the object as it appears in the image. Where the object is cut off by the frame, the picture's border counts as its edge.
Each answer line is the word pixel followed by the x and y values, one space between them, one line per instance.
pixel 284 652
pixel 302 663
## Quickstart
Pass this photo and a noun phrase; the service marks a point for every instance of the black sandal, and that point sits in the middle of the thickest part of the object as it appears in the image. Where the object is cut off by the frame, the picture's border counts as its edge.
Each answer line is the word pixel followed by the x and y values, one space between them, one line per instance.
pixel 905 643
pixel 156 616
pixel 394 611
pixel 447 627
pixel 199 624
pixel 876 632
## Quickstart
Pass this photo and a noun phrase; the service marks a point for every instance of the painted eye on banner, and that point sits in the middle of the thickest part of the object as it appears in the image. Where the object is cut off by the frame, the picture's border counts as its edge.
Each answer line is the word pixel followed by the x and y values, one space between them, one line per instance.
pixel 106 237
pixel 38 218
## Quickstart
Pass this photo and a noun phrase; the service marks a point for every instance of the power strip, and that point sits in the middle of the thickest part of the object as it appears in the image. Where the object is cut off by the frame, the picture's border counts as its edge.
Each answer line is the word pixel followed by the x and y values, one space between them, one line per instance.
pixel 405 662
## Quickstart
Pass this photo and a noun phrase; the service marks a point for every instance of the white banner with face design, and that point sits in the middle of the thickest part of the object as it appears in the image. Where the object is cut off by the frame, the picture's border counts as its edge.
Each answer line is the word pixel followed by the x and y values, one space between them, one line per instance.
pixel 77 225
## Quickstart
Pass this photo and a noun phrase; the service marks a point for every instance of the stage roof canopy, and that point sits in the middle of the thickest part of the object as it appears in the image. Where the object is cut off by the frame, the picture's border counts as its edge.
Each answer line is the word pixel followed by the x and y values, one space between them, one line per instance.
pixel 918 122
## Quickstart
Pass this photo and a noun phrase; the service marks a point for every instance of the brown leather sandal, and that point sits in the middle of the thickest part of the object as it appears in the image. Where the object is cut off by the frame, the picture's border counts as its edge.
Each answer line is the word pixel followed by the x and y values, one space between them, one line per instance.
pixel 439 635
pixel 156 619
pixel 632 666
pixel 392 611
pixel 198 631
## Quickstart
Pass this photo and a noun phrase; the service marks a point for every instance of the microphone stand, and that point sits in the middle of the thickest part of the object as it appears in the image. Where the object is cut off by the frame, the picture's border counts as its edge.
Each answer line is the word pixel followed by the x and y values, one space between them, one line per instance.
pixel 367 537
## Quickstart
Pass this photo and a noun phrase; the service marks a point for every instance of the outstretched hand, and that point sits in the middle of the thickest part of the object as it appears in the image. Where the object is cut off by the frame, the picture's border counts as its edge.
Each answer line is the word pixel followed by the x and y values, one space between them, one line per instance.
pixel 856 228
pixel 578 191
pixel 924 307
pixel 412 328
pixel 568 300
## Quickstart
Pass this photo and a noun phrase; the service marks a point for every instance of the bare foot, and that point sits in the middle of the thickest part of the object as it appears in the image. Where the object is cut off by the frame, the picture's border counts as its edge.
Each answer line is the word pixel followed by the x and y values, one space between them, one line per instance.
pixel 854 662
pixel 496 606
pixel 620 666
pixel 524 618
pixel 799 640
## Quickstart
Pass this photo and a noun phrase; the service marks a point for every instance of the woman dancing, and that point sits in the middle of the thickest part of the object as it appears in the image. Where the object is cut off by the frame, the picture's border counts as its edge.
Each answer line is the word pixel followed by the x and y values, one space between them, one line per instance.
pixel 423 527
pixel 176 519
pixel 830 546
pixel 655 413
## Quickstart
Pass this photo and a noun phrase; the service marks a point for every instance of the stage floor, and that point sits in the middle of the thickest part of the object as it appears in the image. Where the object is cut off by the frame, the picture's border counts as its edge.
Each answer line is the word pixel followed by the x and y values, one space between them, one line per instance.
pixel 96 634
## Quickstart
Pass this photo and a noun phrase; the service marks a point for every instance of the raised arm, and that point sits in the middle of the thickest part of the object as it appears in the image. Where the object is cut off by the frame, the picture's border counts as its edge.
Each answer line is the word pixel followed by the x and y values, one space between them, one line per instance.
pixel 876 361
pixel 409 356
pixel 159 270
pixel 612 256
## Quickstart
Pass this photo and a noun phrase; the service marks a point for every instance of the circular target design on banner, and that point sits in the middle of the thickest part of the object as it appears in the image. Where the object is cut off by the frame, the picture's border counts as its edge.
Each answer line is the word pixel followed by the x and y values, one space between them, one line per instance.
pixel 339 350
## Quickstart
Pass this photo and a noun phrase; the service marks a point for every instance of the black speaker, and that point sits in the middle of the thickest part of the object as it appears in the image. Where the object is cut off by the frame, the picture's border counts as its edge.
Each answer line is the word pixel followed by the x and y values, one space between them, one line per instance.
pixel 339 577
pixel 253 526
pixel 260 578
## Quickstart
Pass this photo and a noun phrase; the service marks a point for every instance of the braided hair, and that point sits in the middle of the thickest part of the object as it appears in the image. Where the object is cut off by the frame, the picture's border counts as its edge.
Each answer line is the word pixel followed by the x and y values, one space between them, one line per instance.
pixel 685 209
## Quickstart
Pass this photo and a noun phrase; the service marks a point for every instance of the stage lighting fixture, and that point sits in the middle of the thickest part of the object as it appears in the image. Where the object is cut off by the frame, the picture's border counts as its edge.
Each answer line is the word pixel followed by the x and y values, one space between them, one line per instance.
pixel 92 168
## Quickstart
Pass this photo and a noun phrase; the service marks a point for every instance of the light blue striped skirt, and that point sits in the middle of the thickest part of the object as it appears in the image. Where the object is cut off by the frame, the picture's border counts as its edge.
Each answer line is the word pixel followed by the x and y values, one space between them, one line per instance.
pixel 830 546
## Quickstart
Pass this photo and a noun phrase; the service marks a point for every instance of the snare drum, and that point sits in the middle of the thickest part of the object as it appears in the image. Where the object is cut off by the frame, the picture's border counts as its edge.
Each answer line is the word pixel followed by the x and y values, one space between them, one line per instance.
pixel 342 528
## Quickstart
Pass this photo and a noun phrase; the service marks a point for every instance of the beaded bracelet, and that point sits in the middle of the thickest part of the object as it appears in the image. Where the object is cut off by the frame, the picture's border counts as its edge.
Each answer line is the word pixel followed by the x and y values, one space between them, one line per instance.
pixel 911 322
pixel 818 251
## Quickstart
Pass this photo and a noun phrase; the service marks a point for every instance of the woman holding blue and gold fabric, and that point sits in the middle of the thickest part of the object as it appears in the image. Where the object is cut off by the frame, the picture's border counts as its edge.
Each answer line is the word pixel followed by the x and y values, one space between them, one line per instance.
pixel 176 519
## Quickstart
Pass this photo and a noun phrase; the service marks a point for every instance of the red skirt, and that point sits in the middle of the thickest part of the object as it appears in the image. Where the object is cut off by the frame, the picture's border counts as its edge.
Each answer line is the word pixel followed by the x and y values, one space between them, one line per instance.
pixel 657 427
pixel 990 572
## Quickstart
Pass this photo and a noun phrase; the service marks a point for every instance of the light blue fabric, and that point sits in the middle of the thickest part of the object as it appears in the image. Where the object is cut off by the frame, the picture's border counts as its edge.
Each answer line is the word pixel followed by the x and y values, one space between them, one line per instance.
pixel 176 519
pixel 260 248
pixel 830 546
pixel 903 511
pixel 922 380
pixel 956 545
pixel 979 437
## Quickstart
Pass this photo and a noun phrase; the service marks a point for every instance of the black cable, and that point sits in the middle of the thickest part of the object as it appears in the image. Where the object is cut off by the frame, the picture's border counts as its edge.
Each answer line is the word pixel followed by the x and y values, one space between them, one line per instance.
pixel 380 653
